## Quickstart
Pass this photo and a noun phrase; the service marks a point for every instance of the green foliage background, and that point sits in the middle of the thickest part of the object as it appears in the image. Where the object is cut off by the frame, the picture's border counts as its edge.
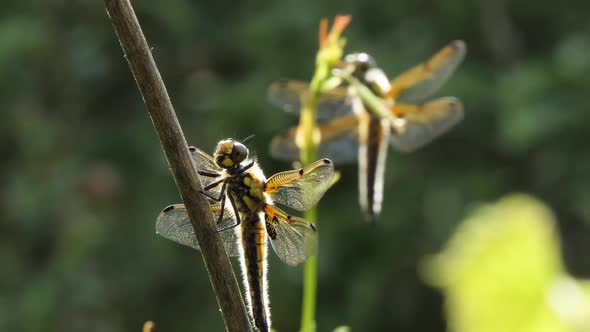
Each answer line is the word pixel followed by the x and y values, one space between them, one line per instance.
pixel 83 176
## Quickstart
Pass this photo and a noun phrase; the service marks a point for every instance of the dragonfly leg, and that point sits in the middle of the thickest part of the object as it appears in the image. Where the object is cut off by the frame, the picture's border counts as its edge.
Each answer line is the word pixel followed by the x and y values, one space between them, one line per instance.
pixel 221 211
pixel 242 170
pixel 248 166
pixel 209 174
pixel 212 185
pixel 238 220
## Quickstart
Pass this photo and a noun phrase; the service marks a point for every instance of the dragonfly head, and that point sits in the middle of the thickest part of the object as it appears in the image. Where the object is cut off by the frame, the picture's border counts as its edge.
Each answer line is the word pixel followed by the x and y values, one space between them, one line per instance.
pixel 229 153
pixel 365 69
pixel 361 62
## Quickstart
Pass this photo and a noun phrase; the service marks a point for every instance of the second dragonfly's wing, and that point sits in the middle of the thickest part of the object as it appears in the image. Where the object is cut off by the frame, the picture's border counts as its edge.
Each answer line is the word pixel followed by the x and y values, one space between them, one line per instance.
pixel 338 141
pixel 292 238
pixel 174 224
pixel 301 189
pixel 287 95
pixel 421 81
pixel 417 125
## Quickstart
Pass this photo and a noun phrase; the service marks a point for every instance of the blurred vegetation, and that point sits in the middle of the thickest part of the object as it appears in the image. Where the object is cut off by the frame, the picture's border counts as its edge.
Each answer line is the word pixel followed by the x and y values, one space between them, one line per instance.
pixel 83 176
pixel 502 271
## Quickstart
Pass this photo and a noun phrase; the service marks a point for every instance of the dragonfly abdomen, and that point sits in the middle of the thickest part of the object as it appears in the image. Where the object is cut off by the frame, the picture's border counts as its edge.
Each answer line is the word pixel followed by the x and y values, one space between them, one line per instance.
pixel 374 138
pixel 254 267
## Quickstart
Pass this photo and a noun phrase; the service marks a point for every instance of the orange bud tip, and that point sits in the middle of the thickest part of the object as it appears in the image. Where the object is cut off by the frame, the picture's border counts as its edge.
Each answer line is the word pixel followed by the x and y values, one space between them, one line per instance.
pixel 323 32
pixel 340 23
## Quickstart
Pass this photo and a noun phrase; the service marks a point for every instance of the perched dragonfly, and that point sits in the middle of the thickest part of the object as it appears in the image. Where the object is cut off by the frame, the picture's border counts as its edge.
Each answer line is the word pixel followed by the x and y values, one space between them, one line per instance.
pixel 251 216
pixel 348 131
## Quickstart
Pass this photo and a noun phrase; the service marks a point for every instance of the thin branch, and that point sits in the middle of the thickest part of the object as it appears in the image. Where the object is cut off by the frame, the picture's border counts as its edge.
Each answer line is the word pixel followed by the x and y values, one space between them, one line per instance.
pixel 183 168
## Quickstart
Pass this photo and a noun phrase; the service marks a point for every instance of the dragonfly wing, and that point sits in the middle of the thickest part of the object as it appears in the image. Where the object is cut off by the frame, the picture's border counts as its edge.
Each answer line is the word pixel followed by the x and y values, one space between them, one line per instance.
pixel 301 189
pixel 338 141
pixel 202 159
pixel 205 162
pixel 421 81
pixel 287 95
pixel 342 149
pixel 283 146
pixel 292 238
pixel 420 124
pixel 174 224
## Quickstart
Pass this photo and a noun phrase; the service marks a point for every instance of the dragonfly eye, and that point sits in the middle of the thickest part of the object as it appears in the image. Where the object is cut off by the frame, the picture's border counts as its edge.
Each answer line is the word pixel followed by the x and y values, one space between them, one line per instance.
pixel 239 153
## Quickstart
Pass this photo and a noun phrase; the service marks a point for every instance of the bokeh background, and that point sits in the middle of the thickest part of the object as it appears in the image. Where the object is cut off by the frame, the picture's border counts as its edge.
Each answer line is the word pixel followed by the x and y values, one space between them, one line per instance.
pixel 83 176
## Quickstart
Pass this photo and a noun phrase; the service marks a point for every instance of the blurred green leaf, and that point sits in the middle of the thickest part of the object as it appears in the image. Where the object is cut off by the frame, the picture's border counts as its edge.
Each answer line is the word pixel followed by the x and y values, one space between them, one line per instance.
pixel 502 271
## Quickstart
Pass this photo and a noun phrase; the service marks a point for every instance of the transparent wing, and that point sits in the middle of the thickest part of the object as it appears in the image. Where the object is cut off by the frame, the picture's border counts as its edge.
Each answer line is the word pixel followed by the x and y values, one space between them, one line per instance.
pixel 420 82
pixel 205 162
pixel 292 238
pixel 420 124
pixel 174 224
pixel 287 96
pixel 301 189
pixel 283 146
pixel 202 159
pixel 338 141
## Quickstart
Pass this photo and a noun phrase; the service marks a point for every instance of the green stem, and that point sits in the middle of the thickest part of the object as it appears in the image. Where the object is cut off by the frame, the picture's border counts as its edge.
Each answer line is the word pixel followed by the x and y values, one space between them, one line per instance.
pixel 309 286
pixel 307 140
pixel 308 155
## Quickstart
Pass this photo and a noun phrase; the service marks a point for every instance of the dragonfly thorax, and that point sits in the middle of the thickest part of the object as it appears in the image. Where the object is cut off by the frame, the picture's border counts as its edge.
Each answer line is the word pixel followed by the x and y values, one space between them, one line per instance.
pixel 247 190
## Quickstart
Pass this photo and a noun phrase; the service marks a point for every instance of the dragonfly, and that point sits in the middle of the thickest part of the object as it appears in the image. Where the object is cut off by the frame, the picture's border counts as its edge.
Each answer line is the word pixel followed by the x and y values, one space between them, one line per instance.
pixel 348 131
pixel 251 219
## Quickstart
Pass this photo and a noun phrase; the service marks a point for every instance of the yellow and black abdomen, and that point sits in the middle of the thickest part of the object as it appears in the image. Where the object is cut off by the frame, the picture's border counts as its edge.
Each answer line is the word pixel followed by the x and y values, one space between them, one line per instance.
pixel 246 192
pixel 254 266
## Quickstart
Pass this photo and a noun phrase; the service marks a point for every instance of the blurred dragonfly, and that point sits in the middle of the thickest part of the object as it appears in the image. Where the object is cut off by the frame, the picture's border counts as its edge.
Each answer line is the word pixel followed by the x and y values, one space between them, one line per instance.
pixel 348 131
pixel 230 176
